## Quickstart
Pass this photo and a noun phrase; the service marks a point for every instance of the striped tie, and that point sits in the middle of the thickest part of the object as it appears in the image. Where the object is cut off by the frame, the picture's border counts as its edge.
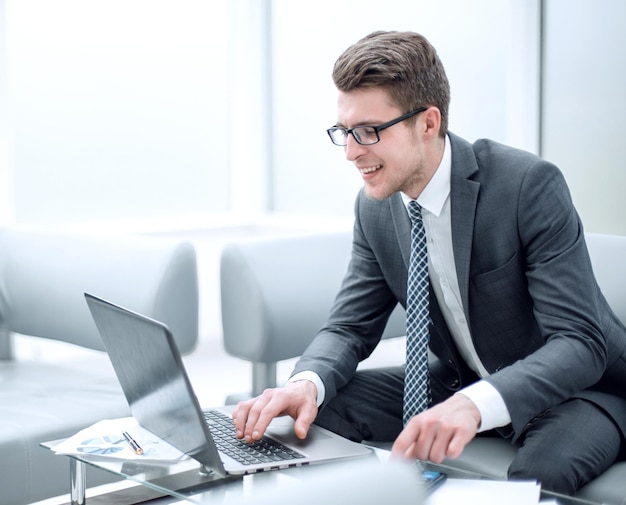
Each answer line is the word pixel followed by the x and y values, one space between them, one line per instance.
pixel 416 380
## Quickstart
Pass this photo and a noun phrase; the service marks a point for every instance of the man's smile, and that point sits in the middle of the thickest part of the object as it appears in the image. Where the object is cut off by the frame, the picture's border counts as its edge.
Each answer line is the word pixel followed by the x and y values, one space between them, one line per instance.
pixel 369 170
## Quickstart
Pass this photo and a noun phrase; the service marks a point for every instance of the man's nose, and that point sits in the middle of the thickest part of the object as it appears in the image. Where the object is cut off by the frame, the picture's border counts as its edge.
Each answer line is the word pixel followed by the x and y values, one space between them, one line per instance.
pixel 353 149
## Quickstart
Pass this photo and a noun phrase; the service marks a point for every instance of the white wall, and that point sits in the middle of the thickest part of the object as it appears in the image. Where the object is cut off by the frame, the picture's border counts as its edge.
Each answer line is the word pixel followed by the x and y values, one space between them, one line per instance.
pixel 117 108
pixel 6 164
pixel 122 110
pixel 489 49
pixel 584 119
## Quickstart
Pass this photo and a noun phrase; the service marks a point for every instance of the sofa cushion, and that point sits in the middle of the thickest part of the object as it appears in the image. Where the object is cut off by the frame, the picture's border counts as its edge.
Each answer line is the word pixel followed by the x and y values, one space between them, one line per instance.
pixel 38 404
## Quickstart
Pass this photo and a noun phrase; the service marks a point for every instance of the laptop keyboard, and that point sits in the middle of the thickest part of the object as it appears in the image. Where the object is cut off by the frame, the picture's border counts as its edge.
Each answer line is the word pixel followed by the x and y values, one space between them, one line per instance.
pixel 265 450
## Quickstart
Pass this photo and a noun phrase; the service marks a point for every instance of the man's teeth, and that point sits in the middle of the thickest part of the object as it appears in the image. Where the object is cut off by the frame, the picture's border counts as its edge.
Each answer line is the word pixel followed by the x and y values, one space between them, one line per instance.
pixel 369 170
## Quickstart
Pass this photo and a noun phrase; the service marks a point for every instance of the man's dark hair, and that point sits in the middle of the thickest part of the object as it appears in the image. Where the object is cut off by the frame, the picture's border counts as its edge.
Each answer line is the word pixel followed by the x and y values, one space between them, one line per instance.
pixel 403 63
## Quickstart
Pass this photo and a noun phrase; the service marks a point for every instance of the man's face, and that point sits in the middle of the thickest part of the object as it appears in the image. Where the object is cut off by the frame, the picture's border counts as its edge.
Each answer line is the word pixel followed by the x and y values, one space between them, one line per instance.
pixel 396 162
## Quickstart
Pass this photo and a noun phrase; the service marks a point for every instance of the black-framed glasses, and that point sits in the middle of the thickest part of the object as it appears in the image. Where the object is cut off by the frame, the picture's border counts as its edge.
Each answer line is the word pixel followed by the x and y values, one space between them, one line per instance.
pixel 366 135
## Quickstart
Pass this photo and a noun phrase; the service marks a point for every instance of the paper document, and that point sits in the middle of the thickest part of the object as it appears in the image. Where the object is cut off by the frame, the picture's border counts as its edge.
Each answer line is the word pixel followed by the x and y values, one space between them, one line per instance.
pixel 106 439
pixel 486 492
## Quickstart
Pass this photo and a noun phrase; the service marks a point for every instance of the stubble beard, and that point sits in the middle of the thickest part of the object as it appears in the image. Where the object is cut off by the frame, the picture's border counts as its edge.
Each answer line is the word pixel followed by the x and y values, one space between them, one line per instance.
pixel 406 184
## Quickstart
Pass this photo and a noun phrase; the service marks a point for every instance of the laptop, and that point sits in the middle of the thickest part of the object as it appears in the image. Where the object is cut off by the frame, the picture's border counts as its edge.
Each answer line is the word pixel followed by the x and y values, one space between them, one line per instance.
pixel 150 370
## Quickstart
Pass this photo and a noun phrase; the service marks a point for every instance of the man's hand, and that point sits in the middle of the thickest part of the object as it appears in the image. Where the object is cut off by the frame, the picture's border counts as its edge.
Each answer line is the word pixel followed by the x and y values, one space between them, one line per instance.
pixel 296 399
pixel 440 432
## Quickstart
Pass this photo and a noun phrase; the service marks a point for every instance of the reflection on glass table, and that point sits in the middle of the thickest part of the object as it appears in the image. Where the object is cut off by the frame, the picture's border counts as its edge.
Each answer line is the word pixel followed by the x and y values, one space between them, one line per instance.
pixel 186 481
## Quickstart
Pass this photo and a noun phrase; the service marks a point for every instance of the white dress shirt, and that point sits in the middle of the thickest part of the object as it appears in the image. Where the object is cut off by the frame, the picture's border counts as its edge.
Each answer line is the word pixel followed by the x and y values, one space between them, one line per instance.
pixel 435 203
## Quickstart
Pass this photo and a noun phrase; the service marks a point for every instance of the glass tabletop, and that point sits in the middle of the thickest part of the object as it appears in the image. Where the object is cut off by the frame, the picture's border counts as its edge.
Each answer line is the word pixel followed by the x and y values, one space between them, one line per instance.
pixel 187 481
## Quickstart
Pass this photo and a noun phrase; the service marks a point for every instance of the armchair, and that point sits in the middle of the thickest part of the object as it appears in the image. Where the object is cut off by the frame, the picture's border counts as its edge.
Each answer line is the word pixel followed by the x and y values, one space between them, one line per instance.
pixel 276 294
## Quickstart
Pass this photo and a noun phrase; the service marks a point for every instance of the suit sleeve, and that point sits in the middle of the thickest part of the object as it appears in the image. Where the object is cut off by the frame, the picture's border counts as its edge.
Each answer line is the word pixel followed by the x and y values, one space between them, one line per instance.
pixel 566 303
pixel 357 318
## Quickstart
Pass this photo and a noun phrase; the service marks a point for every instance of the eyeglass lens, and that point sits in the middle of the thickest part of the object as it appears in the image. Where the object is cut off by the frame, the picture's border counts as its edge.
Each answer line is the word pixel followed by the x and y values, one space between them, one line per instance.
pixel 363 135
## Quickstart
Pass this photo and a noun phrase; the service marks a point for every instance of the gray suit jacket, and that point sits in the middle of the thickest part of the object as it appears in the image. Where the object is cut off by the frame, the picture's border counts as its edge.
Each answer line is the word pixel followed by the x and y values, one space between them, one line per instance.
pixel 538 320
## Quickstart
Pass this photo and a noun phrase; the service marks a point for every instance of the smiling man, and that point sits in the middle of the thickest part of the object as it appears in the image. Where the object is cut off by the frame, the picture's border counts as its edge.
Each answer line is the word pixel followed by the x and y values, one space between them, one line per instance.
pixel 483 247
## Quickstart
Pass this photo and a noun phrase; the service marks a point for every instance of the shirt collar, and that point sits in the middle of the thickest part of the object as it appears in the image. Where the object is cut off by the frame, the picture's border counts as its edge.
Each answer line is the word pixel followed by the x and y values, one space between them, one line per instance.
pixel 434 195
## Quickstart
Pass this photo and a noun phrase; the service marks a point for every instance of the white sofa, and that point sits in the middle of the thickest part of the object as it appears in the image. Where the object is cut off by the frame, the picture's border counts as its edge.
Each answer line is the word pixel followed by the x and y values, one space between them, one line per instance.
pixel 276 294
pixel 43 276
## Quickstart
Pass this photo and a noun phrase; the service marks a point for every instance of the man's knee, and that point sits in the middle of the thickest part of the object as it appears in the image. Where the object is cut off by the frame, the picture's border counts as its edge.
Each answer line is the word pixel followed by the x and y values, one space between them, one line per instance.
pixel 337 421
pixel 552 477
pixel 568 447
pixel 369 407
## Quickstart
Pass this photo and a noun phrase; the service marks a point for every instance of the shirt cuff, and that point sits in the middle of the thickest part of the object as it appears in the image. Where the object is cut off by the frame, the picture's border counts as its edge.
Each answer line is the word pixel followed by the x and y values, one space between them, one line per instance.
pixel 315 379
pixel 493 411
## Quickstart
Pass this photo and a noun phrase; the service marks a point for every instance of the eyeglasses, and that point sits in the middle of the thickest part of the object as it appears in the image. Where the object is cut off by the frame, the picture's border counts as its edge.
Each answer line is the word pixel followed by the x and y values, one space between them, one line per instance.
pixel 366 135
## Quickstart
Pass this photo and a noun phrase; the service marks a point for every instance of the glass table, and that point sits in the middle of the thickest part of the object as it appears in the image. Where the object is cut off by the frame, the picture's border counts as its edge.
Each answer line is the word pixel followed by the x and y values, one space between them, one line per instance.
pixel 188 482
pixel 183 480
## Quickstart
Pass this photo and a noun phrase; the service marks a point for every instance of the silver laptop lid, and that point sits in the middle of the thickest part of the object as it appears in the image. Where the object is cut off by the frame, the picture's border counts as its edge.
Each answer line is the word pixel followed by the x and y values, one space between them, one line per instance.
pixel 150 370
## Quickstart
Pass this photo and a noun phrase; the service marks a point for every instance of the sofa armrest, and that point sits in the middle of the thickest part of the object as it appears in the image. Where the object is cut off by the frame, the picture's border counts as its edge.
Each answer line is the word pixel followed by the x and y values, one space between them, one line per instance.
pixel 276 294
pixel 6 345
pixel 43 276
pixel 607 256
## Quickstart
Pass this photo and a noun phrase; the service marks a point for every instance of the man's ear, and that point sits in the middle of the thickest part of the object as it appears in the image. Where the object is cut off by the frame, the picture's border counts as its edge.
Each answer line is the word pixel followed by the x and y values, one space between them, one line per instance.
pixel 431 122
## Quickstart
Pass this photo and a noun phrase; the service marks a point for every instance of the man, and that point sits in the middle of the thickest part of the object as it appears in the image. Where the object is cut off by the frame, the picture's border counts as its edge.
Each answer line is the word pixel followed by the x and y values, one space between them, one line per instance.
pixel 524 341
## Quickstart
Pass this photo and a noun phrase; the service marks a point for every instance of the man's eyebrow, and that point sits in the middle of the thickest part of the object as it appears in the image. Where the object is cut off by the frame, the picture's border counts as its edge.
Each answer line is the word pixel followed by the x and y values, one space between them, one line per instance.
pixel 338 124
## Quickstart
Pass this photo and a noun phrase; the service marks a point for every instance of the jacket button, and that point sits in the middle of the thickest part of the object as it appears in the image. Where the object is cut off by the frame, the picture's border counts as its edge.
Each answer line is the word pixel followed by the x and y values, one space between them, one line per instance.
pixel 454 384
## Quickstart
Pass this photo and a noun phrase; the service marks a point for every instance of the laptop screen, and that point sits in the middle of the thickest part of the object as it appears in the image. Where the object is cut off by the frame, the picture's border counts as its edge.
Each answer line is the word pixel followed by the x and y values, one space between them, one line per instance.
pixel 151 372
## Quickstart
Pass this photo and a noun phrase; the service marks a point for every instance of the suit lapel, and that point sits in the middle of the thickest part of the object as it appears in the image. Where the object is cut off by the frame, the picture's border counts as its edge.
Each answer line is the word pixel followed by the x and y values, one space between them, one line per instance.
pixel 463 199
pixel 402 225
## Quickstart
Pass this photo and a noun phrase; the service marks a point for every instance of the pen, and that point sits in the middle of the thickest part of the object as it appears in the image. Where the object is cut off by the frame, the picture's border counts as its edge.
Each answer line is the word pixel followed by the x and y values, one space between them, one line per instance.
pixel 133 443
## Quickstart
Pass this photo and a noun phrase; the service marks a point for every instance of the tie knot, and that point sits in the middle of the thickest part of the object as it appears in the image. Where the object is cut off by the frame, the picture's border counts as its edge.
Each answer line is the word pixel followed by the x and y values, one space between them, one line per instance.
pixel 415 212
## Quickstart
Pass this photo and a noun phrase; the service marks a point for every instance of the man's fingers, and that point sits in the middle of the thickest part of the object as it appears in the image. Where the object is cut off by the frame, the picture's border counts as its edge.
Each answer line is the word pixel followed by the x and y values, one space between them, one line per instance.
pixel 267 406
pixel 440 432
pixel 404 446
pixel 248 416
pixel 439 448
pixel 455 447
pixel 306 416
pixel 297 399
pixel 240 416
